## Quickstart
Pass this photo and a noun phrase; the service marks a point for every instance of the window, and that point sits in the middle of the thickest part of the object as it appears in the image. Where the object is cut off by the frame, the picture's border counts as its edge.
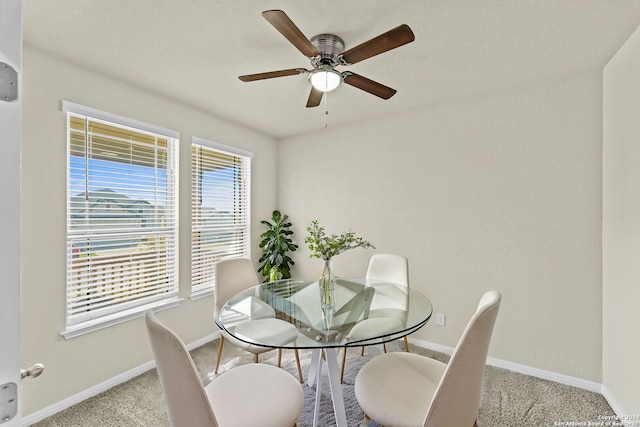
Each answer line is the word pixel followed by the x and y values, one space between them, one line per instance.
pixel 122 218
pixel 221 210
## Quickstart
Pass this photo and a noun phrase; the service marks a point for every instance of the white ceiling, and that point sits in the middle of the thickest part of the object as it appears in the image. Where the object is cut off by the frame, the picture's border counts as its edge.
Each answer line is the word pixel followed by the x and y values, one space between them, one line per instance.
pixel 193 51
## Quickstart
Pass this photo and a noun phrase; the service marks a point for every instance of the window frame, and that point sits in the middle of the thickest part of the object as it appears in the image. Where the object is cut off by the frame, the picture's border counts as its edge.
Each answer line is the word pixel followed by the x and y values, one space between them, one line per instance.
pixel 127 310
pixel 201 290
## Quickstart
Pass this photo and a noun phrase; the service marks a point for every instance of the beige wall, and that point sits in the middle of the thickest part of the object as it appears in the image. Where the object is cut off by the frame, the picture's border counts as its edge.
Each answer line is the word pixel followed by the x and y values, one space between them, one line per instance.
pixel 501 191
pixel 621 226
pixel 74 365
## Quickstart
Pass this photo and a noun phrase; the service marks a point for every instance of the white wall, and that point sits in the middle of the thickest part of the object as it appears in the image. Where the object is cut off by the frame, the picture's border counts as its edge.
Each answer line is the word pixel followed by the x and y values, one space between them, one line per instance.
pixel 501 191
pixel 621 226
pixel 75 365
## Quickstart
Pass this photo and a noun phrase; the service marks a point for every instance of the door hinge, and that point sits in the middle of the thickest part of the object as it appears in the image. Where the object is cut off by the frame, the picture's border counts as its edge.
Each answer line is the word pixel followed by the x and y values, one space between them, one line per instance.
pixel 8 401
pixel 8 83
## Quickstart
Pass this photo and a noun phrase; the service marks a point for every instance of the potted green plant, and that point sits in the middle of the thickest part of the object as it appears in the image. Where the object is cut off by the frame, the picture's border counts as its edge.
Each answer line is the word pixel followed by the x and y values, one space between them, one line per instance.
pixel 276 242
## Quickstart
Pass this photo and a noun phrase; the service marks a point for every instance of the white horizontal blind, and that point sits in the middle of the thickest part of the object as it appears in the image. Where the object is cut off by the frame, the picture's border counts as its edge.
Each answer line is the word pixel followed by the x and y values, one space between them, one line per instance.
pixel 221 210
pixel 122 218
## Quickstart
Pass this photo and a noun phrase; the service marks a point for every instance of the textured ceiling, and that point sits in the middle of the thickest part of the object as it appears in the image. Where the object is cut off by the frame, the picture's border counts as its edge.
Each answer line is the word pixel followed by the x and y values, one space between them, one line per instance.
pixel 193 51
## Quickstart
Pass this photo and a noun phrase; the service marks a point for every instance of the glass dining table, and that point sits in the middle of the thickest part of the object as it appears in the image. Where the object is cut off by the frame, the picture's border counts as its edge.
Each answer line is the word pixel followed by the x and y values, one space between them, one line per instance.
pixel 364 312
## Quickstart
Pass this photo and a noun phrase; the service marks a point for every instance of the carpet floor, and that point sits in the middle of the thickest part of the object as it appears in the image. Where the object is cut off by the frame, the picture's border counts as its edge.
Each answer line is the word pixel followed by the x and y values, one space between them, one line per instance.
pixel 509 399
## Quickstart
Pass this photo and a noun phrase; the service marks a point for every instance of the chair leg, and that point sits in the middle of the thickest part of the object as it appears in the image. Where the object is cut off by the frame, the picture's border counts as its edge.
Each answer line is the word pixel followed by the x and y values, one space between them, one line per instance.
pixel 255 358
pixel 384 347
pixel 279 357
pixel 295 352
pixel 344 362
pixel 362 351
pixel 406 344
pixel 219 353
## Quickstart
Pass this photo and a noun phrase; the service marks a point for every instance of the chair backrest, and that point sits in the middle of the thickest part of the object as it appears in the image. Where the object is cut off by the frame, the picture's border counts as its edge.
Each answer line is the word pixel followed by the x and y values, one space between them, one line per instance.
pixel 352 310
pixel 232 276
pixel 389 268
pixel 457 398
pixel 184 394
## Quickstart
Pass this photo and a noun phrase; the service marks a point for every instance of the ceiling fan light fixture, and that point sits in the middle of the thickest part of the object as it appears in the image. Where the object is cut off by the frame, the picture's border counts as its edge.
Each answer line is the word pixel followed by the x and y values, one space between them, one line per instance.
pixel 325 80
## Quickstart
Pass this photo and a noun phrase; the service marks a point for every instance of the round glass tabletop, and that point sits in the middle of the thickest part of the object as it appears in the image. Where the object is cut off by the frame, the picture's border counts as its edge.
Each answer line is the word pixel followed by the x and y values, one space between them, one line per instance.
pixel 364 312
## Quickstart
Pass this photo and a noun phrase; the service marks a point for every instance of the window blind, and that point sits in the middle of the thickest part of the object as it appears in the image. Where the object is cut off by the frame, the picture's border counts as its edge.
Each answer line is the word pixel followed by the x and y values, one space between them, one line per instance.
pixel 122 221
pixel 221 209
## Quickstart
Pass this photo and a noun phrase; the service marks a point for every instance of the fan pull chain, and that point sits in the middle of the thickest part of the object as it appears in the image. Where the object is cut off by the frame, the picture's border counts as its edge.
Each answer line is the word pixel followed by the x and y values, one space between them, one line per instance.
pixel 326 110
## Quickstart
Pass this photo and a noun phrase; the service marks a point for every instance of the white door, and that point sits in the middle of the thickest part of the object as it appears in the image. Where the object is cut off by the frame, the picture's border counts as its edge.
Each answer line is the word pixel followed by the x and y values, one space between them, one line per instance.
pixel 10 131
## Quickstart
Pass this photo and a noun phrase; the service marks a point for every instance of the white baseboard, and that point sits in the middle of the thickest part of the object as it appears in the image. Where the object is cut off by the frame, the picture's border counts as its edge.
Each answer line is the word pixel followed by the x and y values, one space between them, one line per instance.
pixel 103 386
pixel 523 369
pixel 203 341
pixel 538 373
pixel 83 395
pixel 613 403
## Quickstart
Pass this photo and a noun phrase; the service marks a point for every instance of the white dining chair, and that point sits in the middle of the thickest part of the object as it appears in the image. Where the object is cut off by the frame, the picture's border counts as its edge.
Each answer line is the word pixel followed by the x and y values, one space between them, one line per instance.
pixel 236 275
pixel 386 311
pixel 405 389
pixel 249 395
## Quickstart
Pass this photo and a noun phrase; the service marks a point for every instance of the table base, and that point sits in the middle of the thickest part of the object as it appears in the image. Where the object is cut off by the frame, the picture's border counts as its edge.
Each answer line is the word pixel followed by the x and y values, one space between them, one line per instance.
pixel 315 376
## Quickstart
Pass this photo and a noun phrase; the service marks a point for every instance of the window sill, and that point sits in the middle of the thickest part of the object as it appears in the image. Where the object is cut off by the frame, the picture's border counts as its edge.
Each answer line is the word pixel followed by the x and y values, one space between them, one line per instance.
pixel 116 318
pixel 201 293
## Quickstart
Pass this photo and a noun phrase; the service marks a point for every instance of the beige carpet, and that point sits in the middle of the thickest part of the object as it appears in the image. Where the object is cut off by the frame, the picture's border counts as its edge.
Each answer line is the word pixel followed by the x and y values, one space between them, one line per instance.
pixel 509 400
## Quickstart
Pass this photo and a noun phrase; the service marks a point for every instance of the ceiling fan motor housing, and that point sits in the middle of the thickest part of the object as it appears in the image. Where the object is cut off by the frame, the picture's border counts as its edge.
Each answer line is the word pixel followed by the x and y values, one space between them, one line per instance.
pixel 330 47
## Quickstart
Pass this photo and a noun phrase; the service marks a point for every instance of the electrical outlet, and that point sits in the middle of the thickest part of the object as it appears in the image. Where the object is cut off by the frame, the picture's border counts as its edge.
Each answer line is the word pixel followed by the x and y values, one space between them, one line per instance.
pixel 440 319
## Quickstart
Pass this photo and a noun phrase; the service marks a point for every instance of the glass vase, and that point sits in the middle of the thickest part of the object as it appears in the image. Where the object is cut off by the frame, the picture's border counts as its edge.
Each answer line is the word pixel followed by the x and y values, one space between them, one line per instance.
pixel 327 283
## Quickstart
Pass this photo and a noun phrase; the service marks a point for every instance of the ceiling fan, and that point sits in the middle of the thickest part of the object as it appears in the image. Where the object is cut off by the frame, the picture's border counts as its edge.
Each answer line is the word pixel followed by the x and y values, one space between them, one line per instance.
pixel 326 52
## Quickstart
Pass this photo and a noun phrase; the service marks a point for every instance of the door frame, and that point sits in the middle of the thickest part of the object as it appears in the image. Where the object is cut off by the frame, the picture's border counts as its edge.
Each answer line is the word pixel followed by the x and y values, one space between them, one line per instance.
pixel 10 177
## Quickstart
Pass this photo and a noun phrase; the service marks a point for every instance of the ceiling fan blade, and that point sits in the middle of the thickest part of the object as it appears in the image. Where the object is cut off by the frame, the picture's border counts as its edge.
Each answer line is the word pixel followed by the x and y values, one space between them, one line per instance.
pixel 287 28
pixel 272 74
pixel 368 85
pixel 315 96
pixel 392 39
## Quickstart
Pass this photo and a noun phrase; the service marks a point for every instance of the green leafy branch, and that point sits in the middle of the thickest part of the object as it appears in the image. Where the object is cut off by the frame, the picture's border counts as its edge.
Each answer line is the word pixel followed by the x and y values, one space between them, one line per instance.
pixel 327 246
